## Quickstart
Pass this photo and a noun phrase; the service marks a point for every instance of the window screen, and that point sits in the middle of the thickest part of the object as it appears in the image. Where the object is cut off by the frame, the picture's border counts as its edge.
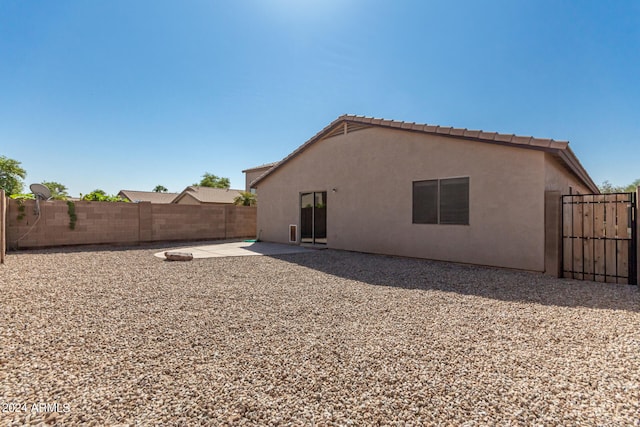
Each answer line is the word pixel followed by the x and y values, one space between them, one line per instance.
pixel 444 201
pixel 425 202
pixel 454 201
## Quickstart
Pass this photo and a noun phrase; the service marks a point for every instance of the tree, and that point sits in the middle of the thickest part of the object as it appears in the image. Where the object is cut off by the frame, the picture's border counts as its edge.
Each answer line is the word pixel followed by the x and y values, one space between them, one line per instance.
pixel 245 199
pixel 101 196
pixel 211 180
pixel 606 187
pixel 11 175
pixel 58 191
pixel 631 188
pixel 160 189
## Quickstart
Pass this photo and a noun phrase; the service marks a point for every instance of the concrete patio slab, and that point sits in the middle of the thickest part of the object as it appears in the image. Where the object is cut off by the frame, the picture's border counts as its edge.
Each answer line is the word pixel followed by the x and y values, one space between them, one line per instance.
pixel 230 249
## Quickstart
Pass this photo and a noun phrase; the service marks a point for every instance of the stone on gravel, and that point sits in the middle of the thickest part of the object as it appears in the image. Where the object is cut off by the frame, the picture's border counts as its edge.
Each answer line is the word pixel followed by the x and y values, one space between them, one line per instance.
pixel 178 256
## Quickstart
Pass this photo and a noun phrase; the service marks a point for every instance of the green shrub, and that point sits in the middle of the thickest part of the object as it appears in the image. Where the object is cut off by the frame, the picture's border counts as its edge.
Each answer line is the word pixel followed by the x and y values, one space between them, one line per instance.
pixel 71 210
pixel 101 196
pixel 28 196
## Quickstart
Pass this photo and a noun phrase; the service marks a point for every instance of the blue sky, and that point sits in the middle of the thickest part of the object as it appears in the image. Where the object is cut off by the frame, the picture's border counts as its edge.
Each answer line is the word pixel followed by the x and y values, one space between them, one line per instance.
pixel 128 94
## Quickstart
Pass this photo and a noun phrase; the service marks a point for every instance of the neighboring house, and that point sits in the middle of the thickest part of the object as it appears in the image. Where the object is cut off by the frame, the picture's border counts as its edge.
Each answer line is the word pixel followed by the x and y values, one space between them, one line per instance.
pixel 195 195
pixel 252 174
pixel 389 187
pixel 147 196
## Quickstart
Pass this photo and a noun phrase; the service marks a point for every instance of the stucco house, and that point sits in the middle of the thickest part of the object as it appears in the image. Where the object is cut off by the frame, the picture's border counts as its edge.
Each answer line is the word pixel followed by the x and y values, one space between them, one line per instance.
pixel 147 196
pixel 417 190
pixel 196 195
pixel 252 173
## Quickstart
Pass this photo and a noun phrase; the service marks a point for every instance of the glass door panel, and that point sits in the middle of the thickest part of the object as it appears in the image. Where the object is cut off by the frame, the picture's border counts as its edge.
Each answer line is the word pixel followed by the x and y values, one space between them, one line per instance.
pixel 313 217
pixel 306 218
pixel 320 218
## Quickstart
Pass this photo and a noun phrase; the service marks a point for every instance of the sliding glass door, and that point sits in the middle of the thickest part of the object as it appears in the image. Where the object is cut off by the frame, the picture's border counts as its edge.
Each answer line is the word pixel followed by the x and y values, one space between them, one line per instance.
pixel 313 217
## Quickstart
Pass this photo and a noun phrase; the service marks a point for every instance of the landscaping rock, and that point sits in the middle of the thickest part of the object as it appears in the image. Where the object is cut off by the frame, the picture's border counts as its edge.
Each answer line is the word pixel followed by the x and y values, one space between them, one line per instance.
pixel 324 338
pixel 178 256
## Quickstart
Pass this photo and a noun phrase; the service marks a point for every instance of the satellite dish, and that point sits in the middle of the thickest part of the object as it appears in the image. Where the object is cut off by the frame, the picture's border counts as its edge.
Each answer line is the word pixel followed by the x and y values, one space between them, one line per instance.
pixel 40 191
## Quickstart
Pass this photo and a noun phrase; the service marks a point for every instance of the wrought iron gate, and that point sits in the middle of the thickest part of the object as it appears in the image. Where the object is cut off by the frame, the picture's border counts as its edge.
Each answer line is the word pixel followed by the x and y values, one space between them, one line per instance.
pixel 599 237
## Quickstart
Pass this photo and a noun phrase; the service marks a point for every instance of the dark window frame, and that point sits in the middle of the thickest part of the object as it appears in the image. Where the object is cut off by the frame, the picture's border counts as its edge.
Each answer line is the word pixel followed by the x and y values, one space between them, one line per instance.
pixel 430 209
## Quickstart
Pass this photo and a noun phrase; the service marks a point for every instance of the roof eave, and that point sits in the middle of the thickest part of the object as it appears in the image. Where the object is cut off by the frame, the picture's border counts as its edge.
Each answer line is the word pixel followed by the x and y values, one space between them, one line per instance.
pixel 560 148
pixel 570 159
pixel 265 166
pixel 318 136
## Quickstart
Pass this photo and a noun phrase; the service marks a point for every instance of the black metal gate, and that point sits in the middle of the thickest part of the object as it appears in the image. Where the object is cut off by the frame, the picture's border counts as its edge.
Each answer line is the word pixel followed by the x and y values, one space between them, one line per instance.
pixel 599 237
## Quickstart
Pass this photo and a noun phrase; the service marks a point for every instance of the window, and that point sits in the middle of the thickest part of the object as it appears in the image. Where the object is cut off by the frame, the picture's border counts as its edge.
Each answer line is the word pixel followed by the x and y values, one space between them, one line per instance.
pixel 441 201
pixel 425 202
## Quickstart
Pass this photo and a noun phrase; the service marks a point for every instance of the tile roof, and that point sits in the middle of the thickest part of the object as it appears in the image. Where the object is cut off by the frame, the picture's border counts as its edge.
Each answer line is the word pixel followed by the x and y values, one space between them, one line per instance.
pixel 352 123
pixel 209 195
pixel 147 196
pixel 265 166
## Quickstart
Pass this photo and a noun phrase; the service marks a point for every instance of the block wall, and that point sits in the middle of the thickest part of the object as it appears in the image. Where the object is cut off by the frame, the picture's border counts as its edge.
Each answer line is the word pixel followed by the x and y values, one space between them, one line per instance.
pixel 122 223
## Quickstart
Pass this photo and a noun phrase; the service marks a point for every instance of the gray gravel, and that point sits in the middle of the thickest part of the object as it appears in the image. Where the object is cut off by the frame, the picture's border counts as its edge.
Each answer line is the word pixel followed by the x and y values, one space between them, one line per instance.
pixel 119 337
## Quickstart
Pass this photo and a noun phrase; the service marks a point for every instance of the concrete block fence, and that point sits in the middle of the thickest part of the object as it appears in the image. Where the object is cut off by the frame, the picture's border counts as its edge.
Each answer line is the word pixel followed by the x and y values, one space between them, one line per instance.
pixel 121 223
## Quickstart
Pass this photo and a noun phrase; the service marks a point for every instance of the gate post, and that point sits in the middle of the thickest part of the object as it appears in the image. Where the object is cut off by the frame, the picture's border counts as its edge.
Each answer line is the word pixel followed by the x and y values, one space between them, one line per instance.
pixel 3 226
pixel 552 233
pixel 637 236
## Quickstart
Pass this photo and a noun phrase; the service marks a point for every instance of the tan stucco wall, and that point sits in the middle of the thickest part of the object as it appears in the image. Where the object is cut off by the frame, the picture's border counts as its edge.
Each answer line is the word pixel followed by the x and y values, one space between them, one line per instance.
pixel 250 175
pixel 187 199
pixel 560 179
pixel 372 171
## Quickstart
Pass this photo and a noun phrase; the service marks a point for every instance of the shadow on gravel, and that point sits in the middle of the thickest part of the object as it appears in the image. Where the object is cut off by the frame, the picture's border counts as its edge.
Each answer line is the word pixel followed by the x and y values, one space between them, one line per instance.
pixel 487 282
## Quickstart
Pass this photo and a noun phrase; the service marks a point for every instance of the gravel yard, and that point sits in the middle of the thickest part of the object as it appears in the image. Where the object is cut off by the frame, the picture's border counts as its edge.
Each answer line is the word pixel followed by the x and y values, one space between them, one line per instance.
pixel 119 337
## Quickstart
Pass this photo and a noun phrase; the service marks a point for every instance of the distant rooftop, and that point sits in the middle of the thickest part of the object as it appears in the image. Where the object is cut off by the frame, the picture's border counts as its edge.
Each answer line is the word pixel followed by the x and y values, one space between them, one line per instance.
pixel 147 196
pixel 209 195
